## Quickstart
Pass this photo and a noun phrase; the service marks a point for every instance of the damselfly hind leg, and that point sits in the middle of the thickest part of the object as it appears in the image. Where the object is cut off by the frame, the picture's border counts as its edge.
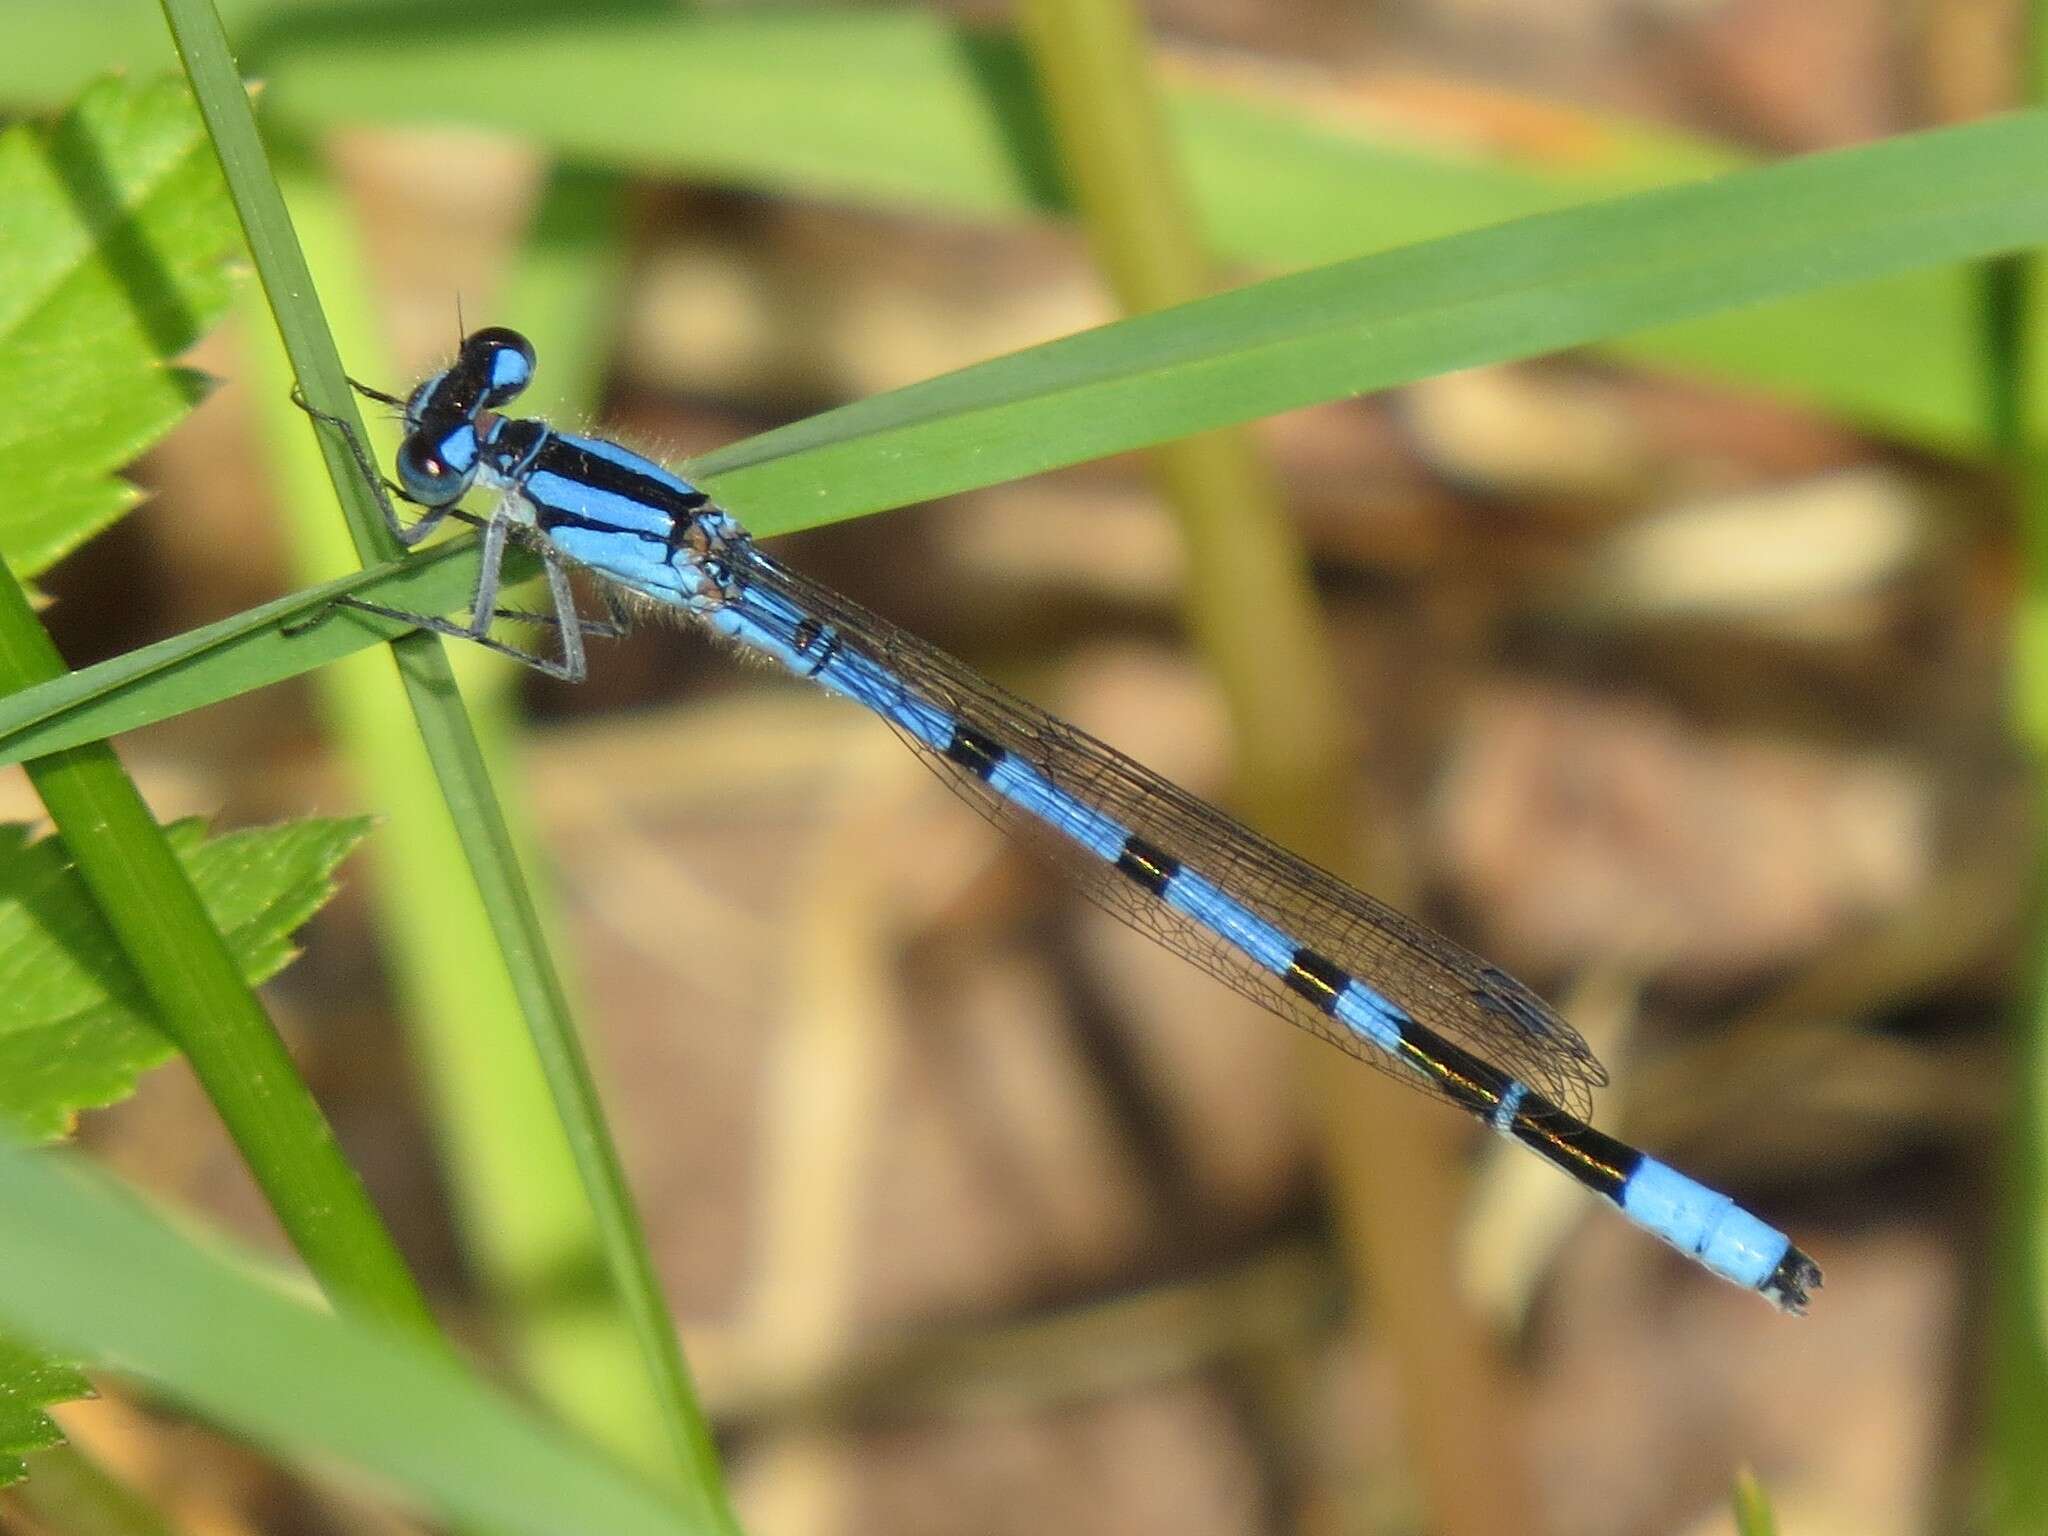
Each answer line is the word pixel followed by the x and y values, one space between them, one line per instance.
pixel 569 666
pixel 615 625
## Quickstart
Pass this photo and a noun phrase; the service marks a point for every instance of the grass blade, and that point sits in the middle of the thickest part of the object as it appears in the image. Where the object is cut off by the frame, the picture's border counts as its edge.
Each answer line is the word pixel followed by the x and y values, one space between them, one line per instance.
pixel 458 761
pixel 128 249
pixel 1753 1514
pixel 1513 291
pixel 89 1270
pixel 1500 294
pixel 895 105
pixel 2016 360
pixel 1253 614
pixel 197 991
pixel 903 106
pixel 232 656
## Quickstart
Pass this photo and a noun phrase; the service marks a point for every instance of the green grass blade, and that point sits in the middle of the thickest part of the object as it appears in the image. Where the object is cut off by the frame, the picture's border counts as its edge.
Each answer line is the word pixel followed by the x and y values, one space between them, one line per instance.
pixel 2016 359
pixel 232 656
pixel 196 990
pixel 79 1030
pixel 1510 292
pixel 90 1271
pixel 1752 1506
pixel 524 1220
pixel 903 106
pixel 1514 291
pixel 1249 600
pixel 1252 613
pixel 115 256
pixel 458 762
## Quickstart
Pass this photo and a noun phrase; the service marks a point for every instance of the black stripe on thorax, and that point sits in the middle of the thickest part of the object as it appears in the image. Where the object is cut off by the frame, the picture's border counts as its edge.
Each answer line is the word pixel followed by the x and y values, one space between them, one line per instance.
pixel 1151 868
pixel 604 473
pixel 573 462
pixel 974 751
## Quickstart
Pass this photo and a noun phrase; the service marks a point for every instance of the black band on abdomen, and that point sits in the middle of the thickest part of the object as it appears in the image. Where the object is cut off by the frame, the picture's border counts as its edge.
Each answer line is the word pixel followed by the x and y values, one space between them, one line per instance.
pixel 1146 865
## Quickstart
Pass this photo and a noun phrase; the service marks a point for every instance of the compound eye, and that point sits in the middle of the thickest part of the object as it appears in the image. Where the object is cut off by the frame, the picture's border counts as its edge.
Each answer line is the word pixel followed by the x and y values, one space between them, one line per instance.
pixel 508 362
pixel 435 473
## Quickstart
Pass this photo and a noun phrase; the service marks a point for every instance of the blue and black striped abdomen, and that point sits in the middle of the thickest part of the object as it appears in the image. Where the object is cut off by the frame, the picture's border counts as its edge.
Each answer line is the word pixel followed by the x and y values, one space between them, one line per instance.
pixel 1273 927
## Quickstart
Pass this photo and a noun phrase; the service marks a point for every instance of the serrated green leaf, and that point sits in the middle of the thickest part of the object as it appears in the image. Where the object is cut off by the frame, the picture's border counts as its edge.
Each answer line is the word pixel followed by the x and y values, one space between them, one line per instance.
pixel 77 1033
pixel 29 1383
pixel 114 253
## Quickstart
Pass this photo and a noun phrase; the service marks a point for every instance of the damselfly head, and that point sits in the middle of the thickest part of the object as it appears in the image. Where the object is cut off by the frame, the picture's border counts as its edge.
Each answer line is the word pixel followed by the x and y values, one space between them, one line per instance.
pixel 491 368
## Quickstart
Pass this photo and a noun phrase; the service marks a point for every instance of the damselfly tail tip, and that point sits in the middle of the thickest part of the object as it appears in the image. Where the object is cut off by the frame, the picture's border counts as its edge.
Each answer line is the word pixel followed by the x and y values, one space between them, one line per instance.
pixel 1792 1282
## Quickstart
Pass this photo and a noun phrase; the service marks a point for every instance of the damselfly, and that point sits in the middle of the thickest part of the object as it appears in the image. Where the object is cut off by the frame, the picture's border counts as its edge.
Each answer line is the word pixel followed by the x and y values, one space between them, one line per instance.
pixel 1284 933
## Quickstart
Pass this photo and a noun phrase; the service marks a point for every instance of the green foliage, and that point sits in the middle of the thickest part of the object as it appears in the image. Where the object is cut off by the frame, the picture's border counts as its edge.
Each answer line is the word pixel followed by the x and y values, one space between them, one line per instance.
pixel 114 254
pixel 77 1031
pixel 902 106
pixel 1752 1505
pixel 898 105
pixel 28 1385
pixel 1513 291
pixel 455 754
pixel 223 1334
pixel 233 656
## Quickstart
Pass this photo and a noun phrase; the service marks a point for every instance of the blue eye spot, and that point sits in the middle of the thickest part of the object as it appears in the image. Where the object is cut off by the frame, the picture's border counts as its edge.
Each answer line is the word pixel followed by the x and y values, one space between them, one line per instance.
pixel 458 449
pixel 508 360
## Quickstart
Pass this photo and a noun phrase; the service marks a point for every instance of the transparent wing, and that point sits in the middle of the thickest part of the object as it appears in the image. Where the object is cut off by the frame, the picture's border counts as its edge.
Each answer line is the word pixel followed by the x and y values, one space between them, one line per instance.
pixel 1441 985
